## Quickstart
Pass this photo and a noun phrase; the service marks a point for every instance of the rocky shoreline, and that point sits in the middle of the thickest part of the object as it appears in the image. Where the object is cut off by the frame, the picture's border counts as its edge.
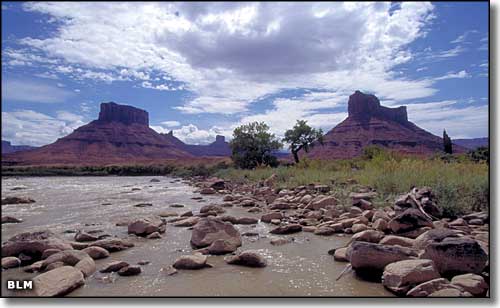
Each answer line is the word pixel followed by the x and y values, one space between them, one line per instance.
pixel 408 247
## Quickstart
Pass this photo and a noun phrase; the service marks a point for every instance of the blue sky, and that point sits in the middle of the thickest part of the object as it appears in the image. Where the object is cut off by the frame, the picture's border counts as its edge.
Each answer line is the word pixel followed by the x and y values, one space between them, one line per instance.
pixel 202 69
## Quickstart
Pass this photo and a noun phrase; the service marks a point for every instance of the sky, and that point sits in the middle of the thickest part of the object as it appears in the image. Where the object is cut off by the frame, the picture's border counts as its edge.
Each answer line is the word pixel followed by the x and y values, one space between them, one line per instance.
pixel 202 69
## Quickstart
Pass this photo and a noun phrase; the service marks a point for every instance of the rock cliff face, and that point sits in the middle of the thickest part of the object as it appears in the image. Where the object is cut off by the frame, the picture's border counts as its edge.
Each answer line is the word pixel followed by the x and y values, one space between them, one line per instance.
pixel 112 112
pixel 369 123
pixel 120 135
pixel 217 148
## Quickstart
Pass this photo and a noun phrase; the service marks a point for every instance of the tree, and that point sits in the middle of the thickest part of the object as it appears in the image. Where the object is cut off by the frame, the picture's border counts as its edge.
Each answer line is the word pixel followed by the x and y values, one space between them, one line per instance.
pixel 302 137
pixel 252 146
pixel 448 148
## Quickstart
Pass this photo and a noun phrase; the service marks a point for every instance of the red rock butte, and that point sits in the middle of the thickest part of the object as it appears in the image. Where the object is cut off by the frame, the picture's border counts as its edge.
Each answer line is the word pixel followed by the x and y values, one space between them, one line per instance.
pixel 369 123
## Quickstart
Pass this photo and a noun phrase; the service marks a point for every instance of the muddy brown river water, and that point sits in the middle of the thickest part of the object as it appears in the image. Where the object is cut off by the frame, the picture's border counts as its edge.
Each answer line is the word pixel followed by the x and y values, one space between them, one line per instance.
pixel 301 268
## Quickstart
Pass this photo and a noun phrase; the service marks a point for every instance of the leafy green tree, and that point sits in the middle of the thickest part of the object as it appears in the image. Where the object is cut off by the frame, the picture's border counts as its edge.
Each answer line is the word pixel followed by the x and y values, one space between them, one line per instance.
pixel 448 148
pixel 302 137
pixel 253 145
pixel 481 154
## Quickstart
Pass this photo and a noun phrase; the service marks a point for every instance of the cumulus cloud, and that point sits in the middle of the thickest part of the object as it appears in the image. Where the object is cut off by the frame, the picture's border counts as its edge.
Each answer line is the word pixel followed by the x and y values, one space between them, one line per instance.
pixel 230 54
pixel 191 134
pixel 33 91
pixel 33 128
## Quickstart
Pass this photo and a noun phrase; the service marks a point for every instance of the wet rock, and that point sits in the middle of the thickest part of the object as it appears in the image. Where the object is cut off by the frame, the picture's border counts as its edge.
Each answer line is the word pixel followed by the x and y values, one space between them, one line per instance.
pixel 58 282
pixel 413 234
pixel 401 276
pixel 143 204
pixel 212 208
pixel 280 241
pixel 254 210
pixel 10 262
pixel 474 284
pixel 167 214
pixel 409 220
pixel 86 266
pixel 247 203
pixel 114 266
pixel 79 245
pixel 10 220
pixel 96 252
pixel 373 258
pixel 113 244
pixel 48 252
pixel 209 229
pixel 154 181
pixel 247 258
pixel 33 244
pixel 143 262
pixel 169 270
pixel 429 287
pixel 340 254
pixel 450 292
pixel 455 256
pixel 191 262
pixel 17 200
pixel 188 222
pixel 68 257
pixel 35 267
pixel 130 270
pixel 146 226
pixel 370 236
pixel 287 229
pixel 221 247
pixel 476 222
pixel 207 191
pixel 478 215
pixel 85 237
pixel 187 214
pixel 397 240
pixel 228 198
pixel 228 218
pixel 270 216
pixel 154 235
pixel 325 230
pixel 177 205
pixel 247 221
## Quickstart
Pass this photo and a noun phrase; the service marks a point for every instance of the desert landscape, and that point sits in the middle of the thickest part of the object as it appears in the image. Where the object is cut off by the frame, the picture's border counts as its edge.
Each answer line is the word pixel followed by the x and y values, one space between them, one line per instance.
pixel 246 149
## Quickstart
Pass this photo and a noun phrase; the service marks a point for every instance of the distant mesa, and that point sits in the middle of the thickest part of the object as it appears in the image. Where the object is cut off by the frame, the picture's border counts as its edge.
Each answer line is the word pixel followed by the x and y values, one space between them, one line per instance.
pixel 121 134
pixel 7 147
pixel 369 123
pixel 473 143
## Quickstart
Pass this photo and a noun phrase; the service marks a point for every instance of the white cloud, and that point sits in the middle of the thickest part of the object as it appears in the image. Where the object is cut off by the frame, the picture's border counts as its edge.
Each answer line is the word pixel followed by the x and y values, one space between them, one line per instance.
pixel 170 123
pixel 452 75
pixel 191 134
pixel 230 54
pixel 33 128
pixel 33 91
pixel 462 38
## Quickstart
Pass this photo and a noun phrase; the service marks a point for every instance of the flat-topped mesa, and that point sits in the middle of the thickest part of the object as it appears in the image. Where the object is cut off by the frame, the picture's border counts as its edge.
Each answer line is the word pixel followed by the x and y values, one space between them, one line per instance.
pixel 364 106
pixel 112 112
pixel 220 139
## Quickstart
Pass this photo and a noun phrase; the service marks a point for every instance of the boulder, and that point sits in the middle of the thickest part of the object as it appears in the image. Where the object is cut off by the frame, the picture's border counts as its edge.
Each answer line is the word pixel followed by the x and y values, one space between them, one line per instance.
pixel 287 229
pixel 113 244
pixel 356 228
pixel 325 230
pixel 410 219
pixel 363 195
pixel 380 225
pixel 17 200
pixel 10 220
pixel 373 258
pixel 58 282
pixel 86 266
pixel 248 258
pixel 68 257
pixel 48 252
pixel 454 256
pixel 321 202
pixel 371 236
pixel 399 277
pixel 270 216
pixel 379 214
pixel 207 191
pixel 280 206
pixel 188 222
pixel 212 208
pixel 221 247
pixel 96 252
pixel 280 241
pixel 363 204
pixel 429 287
pixel 33 244
pixel 247 221
pixel 450 292
pixel 435 236
pixel 130 270
pixel 35 267
pixel 397 240
pixel 85 237
pixel 10 262
pixel 228 218
pixel 209 229
pixel 472 283
pixel 167 214
pixel 340 254
pixel 153 236
pixel 191 262
pixel 114 266
pixel 146 226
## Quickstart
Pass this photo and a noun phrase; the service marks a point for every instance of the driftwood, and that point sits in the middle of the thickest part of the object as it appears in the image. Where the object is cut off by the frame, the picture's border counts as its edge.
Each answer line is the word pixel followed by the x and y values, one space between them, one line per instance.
pixel 421 209
pixel 346 270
